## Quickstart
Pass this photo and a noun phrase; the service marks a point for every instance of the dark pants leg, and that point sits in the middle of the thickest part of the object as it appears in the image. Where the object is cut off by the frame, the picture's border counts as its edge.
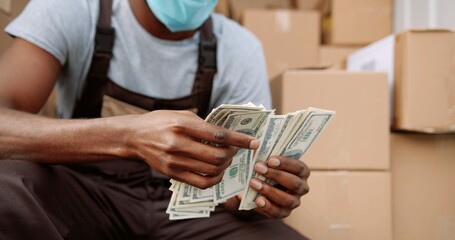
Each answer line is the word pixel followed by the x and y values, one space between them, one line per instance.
pixel 221 225
pixel 49 202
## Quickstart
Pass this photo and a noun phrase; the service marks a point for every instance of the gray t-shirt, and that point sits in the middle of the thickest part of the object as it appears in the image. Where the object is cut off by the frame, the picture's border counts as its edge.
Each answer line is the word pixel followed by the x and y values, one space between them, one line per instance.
pixel 142 63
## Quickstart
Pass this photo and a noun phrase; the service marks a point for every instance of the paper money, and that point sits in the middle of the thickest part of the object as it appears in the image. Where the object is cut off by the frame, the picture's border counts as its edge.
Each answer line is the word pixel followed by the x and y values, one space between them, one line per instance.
pixel 303 133
pixel 288 135
pixel 235 176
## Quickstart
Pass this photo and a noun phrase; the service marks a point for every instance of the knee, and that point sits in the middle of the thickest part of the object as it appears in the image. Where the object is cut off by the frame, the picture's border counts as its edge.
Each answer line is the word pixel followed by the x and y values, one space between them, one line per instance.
pixel 17 168
pixel 21 209
pixel 19 181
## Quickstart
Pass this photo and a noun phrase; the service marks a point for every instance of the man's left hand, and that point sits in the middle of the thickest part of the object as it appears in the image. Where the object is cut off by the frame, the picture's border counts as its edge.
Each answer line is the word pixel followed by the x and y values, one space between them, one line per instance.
pixel 290 176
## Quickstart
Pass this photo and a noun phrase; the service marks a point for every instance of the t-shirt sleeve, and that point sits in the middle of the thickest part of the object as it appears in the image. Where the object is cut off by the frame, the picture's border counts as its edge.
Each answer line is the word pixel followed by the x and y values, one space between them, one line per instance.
pixel 54 25
pixel 245 79
pixel 242 73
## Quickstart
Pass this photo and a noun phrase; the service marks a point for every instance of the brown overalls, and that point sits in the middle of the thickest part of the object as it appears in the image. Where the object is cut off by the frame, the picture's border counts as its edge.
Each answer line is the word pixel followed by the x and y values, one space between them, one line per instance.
pixel 119 199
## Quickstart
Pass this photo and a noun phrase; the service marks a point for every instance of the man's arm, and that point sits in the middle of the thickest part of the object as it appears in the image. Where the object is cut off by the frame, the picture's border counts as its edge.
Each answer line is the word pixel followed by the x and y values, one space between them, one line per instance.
pixel 167 140
pixel 27 76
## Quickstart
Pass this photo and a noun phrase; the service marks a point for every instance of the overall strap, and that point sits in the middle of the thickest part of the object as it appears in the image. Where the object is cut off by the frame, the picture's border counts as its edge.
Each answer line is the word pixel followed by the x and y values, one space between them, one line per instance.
pixel 90 103
pixel 97 81
pixel 207 68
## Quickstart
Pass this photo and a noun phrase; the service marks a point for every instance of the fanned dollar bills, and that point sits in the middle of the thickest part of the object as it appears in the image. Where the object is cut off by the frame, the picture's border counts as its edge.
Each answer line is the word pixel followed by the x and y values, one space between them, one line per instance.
pixel 280 135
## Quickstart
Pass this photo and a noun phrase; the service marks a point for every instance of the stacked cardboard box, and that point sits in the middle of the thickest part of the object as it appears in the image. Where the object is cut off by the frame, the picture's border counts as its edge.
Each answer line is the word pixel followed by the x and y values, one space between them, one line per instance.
pixel 349 23
pixel 238 7
pixel 350 196
pixel 290 38
pixel 346 205
pixel 335 56
pixel 357 22
pixel 346 25
pixel 423 167
pixel 421 69
pixel 425 81
pixel 350 182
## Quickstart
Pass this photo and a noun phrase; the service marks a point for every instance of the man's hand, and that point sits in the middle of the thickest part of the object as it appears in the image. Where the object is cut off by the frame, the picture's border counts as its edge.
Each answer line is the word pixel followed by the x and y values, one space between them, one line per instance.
pixel 170 142
pixel 291 176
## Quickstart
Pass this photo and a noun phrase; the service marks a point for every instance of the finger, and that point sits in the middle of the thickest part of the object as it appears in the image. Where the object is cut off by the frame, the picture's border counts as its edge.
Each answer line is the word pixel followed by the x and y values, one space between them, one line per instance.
pixel 291 182
pixel 187 164
pixel 278 197
pixel 202 130
pixel 204 152
pixel 290 165
pixel 194 179
pixel 271 210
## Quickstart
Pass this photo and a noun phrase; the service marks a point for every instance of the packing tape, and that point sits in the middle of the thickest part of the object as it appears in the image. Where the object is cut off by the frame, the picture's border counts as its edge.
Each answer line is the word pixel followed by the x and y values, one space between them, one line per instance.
pixel 339 224
pixel 283 20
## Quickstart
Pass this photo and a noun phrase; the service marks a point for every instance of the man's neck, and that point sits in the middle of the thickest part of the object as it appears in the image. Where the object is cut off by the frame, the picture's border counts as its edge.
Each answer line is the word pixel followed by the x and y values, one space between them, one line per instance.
pixel 151 24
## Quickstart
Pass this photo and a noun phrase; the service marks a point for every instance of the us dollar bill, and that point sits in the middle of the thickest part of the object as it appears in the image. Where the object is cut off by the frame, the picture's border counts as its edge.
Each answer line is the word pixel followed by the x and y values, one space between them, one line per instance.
pixel 288 135
pixel 304 132
pixel 234 178
pixel 272 128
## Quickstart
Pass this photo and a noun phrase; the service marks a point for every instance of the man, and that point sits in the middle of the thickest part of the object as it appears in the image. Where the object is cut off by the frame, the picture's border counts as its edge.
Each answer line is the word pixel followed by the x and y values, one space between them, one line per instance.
pixel 89 177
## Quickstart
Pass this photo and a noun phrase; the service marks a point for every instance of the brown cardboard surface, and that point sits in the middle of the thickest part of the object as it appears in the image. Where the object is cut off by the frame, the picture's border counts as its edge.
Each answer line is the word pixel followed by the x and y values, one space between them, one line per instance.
pixel 359 22
pixel 335 56
pixel 358 136
pixel 323 6
pixel 345 206
pixel 5 18
pixel 5 40
pixel 239 6
pixel 290 38
pixel 423 186
pixel 425 81
pixel 223 7
pixel 50 108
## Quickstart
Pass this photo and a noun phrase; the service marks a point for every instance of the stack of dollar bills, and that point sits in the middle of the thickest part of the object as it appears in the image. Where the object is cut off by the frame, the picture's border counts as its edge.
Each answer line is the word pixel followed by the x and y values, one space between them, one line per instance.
pixel 280 135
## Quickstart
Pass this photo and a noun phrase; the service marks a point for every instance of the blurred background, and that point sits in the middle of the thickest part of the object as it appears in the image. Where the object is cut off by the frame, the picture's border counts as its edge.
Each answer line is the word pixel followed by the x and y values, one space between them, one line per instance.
pixel 385 167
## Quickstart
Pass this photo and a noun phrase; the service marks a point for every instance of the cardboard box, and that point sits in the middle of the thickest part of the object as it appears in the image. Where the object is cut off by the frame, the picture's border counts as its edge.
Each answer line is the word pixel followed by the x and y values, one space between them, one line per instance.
pixel 425 81
pixel 358 22
pixel 238 7
pixel 346 206
pixel 322 6
pixel 423 186
pixel 222 7
pixel 421 69
pixel 358 136
pixel 5 40
pixel 377 57
pixel 290 38
pixel 9 9
pixel 335 56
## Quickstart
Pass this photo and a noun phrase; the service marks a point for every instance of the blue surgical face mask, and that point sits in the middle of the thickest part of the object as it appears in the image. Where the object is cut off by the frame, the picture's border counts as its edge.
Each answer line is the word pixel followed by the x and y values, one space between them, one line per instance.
pixel 182 15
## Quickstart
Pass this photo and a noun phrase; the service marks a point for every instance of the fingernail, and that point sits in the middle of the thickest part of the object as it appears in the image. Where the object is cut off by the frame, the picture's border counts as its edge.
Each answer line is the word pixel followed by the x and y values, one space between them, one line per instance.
pixel 254 144
pixel 260 202
pixel 274 162
pixel 256 185
pixel 260 168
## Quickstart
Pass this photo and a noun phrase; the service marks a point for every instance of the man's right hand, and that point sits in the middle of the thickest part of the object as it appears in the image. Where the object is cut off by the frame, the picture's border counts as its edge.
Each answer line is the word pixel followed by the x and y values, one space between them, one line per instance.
pixel 170 142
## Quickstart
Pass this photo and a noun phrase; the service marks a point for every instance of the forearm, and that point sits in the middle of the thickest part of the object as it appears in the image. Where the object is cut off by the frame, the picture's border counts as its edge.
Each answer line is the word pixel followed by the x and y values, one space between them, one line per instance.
pixel 30 137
